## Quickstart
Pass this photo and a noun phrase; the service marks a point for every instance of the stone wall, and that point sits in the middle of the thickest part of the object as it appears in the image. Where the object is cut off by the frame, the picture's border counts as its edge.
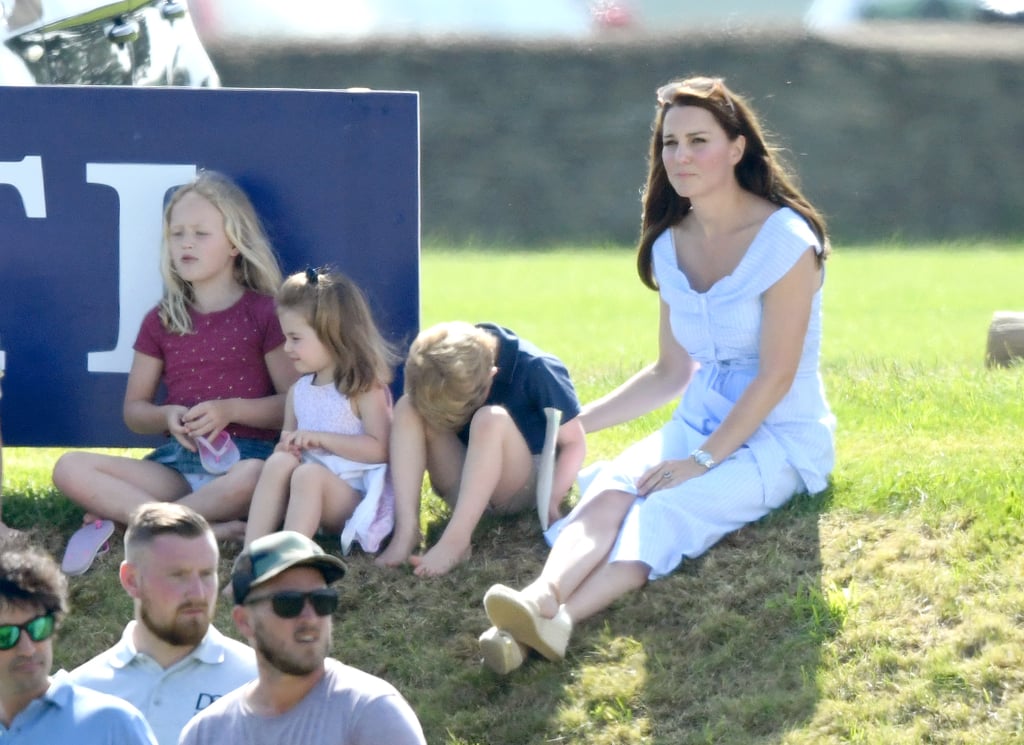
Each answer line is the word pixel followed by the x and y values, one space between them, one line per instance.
pixel 913 134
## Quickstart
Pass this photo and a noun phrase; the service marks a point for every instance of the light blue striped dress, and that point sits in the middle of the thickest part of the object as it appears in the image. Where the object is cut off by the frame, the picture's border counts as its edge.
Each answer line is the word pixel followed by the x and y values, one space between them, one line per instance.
pixel 792 451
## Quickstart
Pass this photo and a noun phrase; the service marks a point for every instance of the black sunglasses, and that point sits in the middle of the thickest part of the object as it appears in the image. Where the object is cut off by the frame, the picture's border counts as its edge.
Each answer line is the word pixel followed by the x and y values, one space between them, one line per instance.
pixel 39 628
pixel 289 603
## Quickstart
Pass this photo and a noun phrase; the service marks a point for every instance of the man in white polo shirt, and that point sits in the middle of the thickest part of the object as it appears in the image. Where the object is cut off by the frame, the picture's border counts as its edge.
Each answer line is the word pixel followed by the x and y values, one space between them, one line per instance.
pixel 171 662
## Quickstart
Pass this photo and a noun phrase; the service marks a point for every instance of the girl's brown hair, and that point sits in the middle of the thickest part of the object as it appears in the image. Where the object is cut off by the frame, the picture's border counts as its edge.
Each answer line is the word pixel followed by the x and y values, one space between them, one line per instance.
pixel 336 309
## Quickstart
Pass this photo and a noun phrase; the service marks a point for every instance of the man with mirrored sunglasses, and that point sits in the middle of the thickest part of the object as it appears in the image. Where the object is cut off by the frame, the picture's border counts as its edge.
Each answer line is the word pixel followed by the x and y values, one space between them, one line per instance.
pixel 170 662
pixel 35 707
pixel 283 606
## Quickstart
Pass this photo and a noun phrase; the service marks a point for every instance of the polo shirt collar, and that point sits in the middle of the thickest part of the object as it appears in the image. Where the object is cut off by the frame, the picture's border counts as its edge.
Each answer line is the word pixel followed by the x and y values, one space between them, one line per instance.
pixel 508 351
pixel 58 695
pixel 60 692
pixel 210 650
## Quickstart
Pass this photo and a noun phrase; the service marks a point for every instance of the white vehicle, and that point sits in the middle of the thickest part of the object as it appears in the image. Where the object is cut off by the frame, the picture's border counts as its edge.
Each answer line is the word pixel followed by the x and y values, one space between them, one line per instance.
pixel 125 42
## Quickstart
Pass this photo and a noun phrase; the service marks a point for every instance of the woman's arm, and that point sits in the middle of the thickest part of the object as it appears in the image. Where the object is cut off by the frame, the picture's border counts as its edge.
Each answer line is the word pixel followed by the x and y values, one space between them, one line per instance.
pixel 786 313
pixel 785 316
pixel 654 386
pixel 374 409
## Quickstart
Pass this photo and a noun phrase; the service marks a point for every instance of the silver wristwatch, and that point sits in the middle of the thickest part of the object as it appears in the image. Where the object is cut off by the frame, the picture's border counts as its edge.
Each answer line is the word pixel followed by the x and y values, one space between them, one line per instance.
pixel 703 459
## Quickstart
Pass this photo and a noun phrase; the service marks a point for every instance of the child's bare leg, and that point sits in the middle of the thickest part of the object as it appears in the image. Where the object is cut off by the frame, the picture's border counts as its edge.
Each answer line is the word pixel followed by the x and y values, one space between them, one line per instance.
pixel 227 497
pixel 407 461
pixel 318 497
pixel 109 486
pixel 267 509
pixel 497 466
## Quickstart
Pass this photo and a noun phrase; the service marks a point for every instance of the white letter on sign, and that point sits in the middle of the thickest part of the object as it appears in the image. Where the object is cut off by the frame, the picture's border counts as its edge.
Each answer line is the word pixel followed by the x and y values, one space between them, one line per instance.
pixel 26 176
pixel 140 189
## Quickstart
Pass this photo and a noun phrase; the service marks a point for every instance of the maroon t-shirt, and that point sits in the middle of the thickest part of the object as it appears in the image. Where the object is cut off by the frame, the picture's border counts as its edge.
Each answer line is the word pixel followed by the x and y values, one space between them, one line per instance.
pixel 224 357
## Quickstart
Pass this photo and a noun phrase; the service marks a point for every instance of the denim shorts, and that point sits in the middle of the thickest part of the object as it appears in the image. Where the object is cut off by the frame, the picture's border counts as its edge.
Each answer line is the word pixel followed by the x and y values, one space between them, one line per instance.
pixel 174 455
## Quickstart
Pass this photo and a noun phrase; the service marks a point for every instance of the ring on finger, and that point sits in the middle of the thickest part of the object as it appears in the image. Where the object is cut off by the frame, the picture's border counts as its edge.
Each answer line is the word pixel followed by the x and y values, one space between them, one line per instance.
pixel 666 475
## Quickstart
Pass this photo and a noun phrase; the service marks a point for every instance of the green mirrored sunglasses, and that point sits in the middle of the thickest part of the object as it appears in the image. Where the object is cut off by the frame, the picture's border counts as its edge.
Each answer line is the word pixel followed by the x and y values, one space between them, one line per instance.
pixel 39 628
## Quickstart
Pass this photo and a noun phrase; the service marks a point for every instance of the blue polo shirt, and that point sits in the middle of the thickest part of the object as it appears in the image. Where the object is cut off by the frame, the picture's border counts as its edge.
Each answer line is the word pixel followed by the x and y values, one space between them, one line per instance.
pixel 528 381
pixel 70 713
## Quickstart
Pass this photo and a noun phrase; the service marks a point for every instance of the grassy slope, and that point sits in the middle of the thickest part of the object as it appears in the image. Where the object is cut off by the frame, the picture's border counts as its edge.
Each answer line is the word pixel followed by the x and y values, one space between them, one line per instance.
pixel 885 610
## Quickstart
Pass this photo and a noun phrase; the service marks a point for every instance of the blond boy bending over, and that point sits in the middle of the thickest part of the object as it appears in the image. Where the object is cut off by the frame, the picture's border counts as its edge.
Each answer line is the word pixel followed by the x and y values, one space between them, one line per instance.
pixel 472 418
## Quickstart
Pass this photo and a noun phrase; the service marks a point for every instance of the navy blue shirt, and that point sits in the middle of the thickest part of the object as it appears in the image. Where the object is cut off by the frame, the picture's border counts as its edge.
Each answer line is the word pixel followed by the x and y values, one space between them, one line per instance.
pixel 528 381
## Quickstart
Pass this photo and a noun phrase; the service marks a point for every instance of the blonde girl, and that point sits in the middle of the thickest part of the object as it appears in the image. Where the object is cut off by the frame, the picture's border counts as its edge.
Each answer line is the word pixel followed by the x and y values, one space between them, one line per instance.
pixel 329 469
pixel 216 346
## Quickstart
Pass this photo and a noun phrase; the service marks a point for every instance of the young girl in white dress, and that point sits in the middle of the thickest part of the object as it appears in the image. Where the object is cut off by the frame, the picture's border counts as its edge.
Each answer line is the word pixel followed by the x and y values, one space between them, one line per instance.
pixel 329 469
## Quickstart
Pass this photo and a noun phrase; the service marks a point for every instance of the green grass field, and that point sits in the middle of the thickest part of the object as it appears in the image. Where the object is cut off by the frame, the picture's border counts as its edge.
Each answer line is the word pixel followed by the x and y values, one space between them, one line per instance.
pixel 886 610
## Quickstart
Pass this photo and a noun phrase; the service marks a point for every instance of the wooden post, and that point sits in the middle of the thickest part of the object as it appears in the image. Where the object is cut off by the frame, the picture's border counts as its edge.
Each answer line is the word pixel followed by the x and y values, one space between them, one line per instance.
pixel 1005 339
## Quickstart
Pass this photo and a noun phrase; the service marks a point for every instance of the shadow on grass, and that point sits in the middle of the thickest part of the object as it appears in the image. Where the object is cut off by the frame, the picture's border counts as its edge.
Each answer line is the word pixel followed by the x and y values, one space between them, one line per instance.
pixel 731 642
pixel 725 650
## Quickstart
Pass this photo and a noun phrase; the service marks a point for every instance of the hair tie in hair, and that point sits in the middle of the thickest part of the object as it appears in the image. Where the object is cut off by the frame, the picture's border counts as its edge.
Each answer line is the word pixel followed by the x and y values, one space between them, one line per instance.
pixel 312 277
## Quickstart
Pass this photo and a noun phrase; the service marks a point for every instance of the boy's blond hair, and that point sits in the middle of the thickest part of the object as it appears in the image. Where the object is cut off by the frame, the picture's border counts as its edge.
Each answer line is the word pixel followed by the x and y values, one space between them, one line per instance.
pixel 448 373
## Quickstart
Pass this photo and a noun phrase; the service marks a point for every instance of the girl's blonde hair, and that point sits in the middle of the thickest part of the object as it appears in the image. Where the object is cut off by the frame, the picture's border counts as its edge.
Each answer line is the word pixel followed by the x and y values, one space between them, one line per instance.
pixel 336 309
pixel 256 266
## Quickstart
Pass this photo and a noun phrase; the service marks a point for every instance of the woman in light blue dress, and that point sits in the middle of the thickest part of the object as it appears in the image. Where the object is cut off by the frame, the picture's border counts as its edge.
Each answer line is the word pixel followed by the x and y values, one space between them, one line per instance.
pixel 737 254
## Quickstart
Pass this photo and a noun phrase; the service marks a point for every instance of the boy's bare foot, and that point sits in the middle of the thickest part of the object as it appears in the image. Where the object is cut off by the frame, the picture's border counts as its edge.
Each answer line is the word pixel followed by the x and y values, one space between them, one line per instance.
pixel 398 551
pixel 231 531
pixel 439 560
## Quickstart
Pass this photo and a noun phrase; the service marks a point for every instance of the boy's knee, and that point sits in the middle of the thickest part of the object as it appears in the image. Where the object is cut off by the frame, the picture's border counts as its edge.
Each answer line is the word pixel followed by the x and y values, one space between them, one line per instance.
pixel 489 419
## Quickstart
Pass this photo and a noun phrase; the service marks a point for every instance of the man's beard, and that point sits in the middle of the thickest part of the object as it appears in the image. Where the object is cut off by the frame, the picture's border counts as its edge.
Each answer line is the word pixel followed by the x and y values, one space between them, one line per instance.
pixel 185 632
pixel 285 661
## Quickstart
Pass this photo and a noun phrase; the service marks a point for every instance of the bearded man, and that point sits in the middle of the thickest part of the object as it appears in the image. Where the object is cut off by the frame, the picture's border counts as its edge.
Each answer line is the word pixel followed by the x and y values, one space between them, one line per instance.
pixel 170 662
pixel 284 606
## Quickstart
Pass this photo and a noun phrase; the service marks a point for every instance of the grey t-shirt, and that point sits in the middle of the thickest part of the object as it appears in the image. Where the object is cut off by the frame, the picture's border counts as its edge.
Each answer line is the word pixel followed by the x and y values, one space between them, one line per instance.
pixel 346 707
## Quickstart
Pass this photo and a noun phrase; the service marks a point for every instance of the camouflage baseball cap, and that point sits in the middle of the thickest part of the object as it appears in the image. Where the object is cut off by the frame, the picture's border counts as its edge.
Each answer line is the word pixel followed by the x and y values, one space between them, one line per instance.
pixel 268 556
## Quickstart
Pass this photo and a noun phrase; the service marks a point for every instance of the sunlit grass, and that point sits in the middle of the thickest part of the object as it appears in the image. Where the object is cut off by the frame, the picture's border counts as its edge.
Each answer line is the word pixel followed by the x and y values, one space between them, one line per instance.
pixel 886 610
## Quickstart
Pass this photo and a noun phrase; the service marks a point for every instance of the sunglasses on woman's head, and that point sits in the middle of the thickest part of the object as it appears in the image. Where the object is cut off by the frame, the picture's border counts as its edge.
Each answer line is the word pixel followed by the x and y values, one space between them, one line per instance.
pixel 289 603
pixel 38 629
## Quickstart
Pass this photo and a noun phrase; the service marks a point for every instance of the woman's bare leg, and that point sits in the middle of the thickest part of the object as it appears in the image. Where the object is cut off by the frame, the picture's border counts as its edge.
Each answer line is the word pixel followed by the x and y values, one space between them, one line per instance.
pixel 577 572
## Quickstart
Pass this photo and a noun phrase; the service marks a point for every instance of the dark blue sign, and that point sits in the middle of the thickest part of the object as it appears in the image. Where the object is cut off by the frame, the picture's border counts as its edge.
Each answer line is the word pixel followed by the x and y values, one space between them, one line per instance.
pixel 83 176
